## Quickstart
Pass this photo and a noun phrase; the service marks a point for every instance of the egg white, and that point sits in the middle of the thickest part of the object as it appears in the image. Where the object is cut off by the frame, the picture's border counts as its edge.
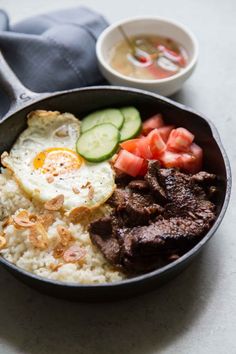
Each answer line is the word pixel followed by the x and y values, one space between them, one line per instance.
pixel 54 130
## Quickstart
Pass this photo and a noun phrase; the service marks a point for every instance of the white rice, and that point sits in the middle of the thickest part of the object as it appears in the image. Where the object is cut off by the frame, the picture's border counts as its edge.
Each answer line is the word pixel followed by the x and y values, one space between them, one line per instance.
pixel 19 250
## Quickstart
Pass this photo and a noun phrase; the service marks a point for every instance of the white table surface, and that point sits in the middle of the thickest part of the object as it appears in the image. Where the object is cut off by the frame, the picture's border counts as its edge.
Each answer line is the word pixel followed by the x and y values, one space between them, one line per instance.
pixel 196 312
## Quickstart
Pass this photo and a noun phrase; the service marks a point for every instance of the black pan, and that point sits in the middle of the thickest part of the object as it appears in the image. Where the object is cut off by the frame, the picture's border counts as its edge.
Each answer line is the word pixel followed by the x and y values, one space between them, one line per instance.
pixel 80 102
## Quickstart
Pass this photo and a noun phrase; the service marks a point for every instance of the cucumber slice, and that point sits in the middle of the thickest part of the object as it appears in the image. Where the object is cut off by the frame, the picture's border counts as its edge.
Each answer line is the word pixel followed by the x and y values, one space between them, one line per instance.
pixel 132 124
pixel 98 143
pixel 109 115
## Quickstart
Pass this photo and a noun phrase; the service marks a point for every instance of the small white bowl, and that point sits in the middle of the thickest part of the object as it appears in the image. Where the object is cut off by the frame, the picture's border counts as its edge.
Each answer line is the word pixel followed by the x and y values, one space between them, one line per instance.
pixel 147 25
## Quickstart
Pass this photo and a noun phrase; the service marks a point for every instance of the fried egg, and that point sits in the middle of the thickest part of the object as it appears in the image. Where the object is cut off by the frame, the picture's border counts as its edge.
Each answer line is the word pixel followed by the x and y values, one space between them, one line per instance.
pixel 45 163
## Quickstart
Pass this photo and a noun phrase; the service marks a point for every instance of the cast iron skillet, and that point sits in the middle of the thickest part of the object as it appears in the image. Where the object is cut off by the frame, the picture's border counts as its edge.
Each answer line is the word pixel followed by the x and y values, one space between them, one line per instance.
pixel 80 102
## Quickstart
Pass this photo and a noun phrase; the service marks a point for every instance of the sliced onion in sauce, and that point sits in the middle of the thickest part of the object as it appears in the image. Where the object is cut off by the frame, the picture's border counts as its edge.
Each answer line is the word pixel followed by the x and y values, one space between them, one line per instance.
pixel 167 64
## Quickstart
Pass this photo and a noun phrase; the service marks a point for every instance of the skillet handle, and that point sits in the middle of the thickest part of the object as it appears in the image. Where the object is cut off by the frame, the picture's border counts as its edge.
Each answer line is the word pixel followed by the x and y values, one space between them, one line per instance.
pixel 15 90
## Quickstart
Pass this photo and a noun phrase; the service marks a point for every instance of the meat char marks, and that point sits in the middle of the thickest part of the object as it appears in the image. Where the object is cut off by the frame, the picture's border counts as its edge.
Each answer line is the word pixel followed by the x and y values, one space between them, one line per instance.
pixel 155 220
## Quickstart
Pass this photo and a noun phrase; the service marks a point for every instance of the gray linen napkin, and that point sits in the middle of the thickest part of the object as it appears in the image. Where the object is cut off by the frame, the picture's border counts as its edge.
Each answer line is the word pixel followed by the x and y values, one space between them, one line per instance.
pixel 54 51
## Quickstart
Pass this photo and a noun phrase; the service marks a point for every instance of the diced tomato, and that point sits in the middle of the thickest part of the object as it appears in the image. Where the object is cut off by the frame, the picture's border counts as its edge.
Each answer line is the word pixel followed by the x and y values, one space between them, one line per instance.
pixel 180 139
pixel 129 163
pixel 144 149
pixel 149 147
pixel 171 159
pixel 156 143
pixel 155 121
pixel 197 151
pixel 131 146
pixel 192 161
pixel 188 162
pixel 144 168
pixel 165 131
pixel 174 148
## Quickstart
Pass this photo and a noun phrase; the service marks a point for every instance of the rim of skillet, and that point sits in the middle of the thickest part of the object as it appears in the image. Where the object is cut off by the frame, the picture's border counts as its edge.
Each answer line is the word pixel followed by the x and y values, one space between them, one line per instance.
pixel 182 259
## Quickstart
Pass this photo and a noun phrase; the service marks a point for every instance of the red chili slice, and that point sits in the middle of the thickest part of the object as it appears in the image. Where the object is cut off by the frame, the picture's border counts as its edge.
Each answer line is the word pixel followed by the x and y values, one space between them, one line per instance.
pixel 177 58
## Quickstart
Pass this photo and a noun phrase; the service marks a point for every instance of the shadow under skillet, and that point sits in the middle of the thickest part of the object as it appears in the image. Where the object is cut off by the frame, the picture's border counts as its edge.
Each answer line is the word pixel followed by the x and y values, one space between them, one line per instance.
pixel 36 324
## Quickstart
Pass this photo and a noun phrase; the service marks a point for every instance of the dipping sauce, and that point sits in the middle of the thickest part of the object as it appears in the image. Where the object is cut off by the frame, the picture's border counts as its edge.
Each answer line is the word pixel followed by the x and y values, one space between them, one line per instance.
pixel 148 57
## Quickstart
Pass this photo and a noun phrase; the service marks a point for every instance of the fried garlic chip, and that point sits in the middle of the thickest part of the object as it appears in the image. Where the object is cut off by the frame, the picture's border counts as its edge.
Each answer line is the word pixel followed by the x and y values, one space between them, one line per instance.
pixel 55 203
pixel 38 236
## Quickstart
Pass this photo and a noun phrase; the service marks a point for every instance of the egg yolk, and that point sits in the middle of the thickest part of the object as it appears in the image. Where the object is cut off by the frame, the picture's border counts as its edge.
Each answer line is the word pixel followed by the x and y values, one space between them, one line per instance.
pixel 57 161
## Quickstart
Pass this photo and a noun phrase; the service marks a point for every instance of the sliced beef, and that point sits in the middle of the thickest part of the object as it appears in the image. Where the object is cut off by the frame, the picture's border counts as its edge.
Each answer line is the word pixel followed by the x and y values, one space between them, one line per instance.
pixel 134 208
pixel 154 184
pixel 103 226
pixel 102 233
pixel 204 177
pixel 118 199
pixel 162 236
pixel 140 264
pixel 122 179
pixel 140 210
pixel 205 180
pixel 142 234
pixel 184 197
pixel 139 185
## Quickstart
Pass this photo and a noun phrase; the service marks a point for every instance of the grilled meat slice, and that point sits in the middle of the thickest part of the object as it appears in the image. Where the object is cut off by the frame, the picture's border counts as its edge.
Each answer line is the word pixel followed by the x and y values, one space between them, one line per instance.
pixel 162 236
pixel 142 235
pixel 139 185
pixel 122 179
pixel 204 177
pixel 154 184
pixel 134 208
pixel 103 235
pixel 184 197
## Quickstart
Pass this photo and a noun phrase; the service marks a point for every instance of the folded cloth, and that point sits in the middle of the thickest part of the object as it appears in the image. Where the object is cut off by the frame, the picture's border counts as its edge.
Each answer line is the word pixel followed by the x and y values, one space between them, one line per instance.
pixel 55 51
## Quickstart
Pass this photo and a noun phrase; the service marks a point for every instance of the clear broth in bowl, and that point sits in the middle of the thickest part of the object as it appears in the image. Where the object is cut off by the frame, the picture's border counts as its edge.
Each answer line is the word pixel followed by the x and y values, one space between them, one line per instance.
pixel 148 57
